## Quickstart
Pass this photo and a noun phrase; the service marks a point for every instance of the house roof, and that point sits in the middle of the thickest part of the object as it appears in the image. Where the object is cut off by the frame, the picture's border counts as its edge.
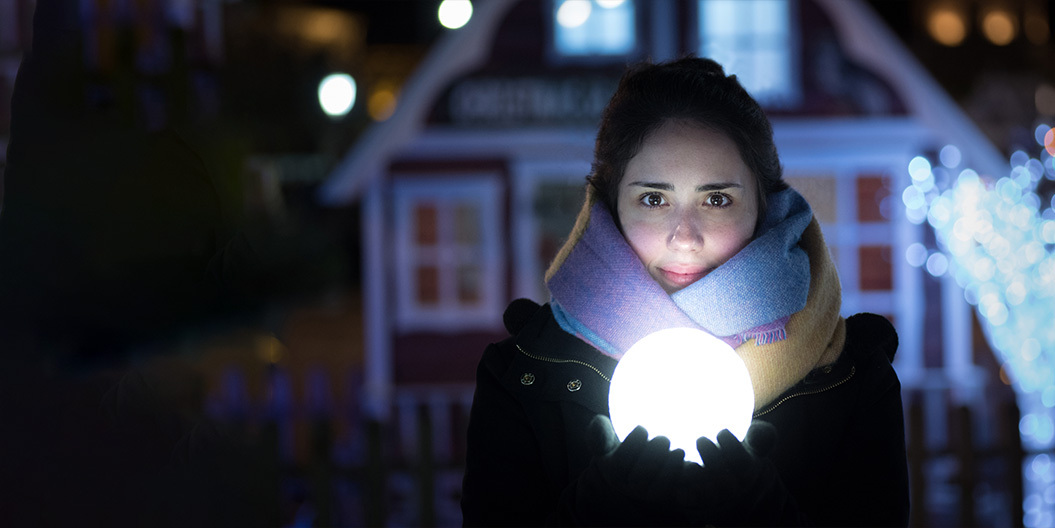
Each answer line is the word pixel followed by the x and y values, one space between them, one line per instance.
pixel 860 31
pixel 455 53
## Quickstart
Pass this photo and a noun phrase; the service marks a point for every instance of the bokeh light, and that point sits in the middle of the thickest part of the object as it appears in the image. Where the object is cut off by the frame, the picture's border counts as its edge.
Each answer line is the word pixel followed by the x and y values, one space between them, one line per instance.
pixel 337 94
pixel 999 27
pixel 947 26
pixel 950 156
pixel 382 103
pixel 916 254
pixel 1044 100
pixel 454 14
pixel 573 13
pixel 1036 27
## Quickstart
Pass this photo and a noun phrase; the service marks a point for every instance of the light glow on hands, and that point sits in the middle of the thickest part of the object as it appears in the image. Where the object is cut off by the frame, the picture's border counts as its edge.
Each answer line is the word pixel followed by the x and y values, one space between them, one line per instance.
pixel 681 383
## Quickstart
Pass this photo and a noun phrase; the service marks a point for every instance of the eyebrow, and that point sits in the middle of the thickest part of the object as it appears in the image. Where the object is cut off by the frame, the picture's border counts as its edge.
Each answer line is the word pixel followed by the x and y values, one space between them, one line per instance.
pixel 700 188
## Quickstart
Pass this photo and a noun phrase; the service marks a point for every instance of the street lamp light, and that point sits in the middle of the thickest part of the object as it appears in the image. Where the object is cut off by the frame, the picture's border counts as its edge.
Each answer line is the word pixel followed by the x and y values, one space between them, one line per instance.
pixel 337 94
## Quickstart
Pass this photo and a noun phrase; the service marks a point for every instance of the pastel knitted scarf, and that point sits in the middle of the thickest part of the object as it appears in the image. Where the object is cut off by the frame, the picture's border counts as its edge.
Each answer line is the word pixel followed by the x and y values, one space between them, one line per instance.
pixel 776 301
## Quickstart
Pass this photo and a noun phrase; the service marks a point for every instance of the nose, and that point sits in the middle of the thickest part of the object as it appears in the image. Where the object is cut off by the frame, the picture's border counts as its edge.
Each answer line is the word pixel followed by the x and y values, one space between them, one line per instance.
pixel 687 234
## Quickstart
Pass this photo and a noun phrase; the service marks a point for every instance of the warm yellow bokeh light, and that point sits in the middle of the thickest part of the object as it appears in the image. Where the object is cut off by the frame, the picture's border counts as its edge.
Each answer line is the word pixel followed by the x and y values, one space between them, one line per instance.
pixel 999 27
pixel 947 26
pixel 1036 29
pixel 381 104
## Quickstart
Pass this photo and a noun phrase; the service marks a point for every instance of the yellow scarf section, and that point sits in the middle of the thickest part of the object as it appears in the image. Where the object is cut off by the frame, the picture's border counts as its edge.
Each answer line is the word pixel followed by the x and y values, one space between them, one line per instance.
pixel 815 335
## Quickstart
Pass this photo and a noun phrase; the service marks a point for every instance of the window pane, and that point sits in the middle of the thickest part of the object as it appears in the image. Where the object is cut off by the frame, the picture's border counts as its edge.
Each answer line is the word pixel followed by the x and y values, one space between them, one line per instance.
pixel 594 27
pixel 425 218
pixel 428 285
pixel 467 224
pixel 469 278
pixel 751 39
pixel 718 17
pixel 876 272
pixel 769 17
pixel 871 191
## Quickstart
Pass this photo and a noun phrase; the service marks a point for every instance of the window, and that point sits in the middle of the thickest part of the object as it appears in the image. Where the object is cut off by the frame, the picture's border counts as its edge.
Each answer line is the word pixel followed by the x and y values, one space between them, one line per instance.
pixel 752 39
pixel 449 269
pixel 584 28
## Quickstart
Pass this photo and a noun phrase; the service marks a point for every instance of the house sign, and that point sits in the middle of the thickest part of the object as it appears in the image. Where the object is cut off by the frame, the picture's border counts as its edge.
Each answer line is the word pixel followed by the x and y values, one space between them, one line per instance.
pixel 529 100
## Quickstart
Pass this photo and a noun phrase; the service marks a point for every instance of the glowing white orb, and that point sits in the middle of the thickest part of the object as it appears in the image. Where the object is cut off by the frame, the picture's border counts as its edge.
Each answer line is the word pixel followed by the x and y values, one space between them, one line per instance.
pixel 337 94
pixel 681 383
pixel 573 13
pixel 454 14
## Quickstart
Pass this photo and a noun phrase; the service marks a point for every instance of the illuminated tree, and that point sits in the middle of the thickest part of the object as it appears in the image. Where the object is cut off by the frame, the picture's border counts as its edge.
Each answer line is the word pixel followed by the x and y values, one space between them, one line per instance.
pixel 996 238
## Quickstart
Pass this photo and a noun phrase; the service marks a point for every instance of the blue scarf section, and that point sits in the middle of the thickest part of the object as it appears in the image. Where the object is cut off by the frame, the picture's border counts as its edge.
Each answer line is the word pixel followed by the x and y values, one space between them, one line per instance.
pixel 603 293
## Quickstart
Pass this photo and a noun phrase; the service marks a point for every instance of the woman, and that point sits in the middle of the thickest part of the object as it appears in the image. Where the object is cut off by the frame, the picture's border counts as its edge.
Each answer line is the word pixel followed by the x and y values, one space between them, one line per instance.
pixel 688 223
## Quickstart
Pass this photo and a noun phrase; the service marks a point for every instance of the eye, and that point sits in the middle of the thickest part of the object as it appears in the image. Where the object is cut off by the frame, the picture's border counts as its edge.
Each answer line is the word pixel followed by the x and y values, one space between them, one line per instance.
pixel 653 200
pixel 718 200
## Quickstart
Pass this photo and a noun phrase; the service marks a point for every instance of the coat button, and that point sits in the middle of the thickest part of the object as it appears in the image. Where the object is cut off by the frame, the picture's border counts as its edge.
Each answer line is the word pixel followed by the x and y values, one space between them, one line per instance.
pixel 574 385
pixel 527 379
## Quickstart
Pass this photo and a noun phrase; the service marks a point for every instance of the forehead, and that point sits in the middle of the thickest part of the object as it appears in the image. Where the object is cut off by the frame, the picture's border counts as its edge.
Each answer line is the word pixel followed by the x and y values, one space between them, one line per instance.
pixel 687 152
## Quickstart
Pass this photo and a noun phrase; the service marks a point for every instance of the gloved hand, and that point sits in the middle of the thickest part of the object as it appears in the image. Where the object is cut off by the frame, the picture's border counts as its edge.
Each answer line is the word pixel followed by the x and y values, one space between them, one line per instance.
pixel 632 483
pixel 738 484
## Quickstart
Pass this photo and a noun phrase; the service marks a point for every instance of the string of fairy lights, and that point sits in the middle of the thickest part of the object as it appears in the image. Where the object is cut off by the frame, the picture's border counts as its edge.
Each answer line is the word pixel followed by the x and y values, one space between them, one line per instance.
pixel 996 239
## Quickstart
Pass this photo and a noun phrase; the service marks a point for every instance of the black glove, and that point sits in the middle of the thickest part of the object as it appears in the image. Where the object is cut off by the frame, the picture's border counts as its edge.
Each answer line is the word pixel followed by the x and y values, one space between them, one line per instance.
pixel 632 483
pixel 738 484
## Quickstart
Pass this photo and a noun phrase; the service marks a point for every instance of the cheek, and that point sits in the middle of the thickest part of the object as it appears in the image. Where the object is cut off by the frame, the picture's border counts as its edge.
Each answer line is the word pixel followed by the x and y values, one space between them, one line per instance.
pixel 730 239
pixel 646 240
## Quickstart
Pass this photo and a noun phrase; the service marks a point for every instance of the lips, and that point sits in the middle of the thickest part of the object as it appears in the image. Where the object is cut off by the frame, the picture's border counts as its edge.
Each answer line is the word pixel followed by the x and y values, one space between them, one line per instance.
pixel 682 277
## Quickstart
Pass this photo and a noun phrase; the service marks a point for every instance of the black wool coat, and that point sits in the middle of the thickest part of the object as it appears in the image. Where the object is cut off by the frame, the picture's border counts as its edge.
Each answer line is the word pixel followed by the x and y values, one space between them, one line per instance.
pixel 840 448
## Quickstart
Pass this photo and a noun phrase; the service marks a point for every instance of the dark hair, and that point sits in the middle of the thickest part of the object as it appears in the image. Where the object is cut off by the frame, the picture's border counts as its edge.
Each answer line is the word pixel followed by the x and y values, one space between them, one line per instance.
pixel 690 89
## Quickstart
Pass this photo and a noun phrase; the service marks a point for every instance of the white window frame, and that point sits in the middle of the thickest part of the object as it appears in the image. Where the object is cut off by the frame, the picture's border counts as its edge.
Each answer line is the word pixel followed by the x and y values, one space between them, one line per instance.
pixel 529 175
pixel 448 315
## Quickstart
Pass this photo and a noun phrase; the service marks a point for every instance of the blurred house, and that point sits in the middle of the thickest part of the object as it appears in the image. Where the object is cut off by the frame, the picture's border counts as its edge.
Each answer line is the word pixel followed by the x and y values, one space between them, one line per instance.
pixel 467 191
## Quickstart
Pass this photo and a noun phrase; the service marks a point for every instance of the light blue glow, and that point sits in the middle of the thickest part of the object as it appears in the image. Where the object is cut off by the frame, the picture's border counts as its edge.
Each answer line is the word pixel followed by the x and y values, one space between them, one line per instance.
pixel 950 156
pixel 1032 201
pixel 926 184
pixel 919 168
pixel 916 254
pixel 996 237
pixel 937 264
pixel 1016 295
pixel 1022 177
pixel 916 215
pixel 1041 464
pixel 1027 426
pixel 1040 132
pixel 1018 158
pixel 1036 169
pixel 1045 430
pixel 913 198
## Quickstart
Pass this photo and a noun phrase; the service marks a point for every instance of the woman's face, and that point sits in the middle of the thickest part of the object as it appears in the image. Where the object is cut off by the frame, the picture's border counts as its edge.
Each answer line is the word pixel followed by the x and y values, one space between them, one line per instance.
pixel 687 203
